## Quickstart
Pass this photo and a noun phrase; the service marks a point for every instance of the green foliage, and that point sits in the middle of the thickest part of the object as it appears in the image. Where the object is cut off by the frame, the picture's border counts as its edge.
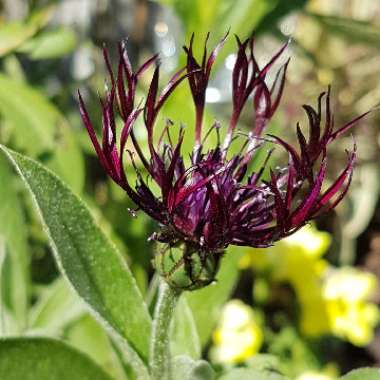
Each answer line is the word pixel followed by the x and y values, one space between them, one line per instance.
pixel 39 118
pixel 363 374
pixel 89 337
pixel 45 359
pixel 39 129
pixel 50 44
pixel 218 16
pixel 184 335
pixel 15 279
pixel 355 31
pixel 14 33
pixel 250 374
pixel 207 303
pixel 85 257
pixel 56 307
pixel 185 368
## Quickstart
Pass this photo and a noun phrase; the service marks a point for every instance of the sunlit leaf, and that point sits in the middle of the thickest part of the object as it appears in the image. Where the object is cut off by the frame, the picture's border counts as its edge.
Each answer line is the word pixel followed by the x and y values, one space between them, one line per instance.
pixel 93 266
pixel 50 44
pixel 39 129
pixel 272 18
pixel 45 359
pixel 13 34
pixel 363 374
pixel 218 16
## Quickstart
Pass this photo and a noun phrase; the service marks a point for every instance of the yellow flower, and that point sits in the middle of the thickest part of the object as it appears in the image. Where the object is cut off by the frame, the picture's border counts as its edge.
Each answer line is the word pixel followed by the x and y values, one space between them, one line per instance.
pixel 298 261
pixel 238 336
pixel 351 316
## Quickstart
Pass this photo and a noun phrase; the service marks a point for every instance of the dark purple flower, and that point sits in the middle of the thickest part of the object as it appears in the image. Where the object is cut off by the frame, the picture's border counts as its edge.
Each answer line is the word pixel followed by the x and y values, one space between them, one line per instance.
pixel 214 201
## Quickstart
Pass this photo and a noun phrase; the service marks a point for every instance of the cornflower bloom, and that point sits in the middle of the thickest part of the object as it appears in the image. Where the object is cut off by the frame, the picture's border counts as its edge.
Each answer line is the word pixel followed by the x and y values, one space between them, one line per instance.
pixel 215 201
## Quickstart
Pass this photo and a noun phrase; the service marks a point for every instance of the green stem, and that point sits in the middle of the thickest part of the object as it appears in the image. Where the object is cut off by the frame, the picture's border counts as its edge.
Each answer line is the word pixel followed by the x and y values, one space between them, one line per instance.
pixel 159 349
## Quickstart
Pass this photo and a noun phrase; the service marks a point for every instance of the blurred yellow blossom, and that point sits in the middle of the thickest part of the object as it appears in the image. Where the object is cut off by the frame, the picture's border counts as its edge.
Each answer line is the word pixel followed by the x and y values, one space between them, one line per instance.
pixel 346 292
pixel 298 260
pixel 332 300
pixel 238 336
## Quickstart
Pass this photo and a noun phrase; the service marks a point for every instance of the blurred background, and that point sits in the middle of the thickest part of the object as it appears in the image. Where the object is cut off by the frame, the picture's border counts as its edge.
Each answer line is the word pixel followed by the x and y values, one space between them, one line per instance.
pixel 307 307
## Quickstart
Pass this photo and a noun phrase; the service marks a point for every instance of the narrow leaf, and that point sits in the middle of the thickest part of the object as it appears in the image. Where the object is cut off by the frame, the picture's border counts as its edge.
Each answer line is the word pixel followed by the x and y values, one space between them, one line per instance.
pixel 184 334
pixel 15 280
pixel 207 302
pixel 84 255
pixel 45 359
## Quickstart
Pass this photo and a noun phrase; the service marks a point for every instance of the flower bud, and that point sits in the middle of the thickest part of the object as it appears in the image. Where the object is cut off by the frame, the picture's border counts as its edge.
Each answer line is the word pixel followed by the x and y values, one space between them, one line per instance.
pixel 184 267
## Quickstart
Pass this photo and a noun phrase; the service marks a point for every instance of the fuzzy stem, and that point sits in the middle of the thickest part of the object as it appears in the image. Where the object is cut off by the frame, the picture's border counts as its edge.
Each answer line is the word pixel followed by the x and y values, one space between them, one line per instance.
pixel 159 349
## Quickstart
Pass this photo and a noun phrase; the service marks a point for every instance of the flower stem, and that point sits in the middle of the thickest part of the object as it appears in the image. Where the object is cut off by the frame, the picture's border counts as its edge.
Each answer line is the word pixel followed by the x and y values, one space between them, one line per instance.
pixel 159 349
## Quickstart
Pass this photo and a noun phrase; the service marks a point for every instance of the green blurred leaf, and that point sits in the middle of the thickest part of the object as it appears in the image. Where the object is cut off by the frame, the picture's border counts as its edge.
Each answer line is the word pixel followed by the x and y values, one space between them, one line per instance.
pixel 218 16
pixel 207 302
pixel 40 129
pixel 2 306
pixel 184 334
pixel 88 336
pixel 15 281
pixel 250 374
pixel 50 44
pixel 56 308
pixel 93 266
pixel 13 34
pixel 264 362
pixel 352 30
pixel 270 20
pixel 185 368
pixel 363 374
pixel 45 359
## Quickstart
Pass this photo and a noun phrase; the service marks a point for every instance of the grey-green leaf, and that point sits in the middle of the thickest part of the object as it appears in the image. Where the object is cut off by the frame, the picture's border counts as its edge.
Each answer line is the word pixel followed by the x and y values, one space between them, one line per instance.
pixel 88 336
pixel 56 307
pixel 363 374
pixel 184 334
pixel 13 229
pixel 251 374
pixel 185 368
pixel 207 302
pixel 84 255
pixel 45 359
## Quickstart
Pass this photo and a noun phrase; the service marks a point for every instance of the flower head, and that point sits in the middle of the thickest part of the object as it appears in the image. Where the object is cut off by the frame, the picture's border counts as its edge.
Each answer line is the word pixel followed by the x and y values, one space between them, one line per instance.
pixel 214 201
